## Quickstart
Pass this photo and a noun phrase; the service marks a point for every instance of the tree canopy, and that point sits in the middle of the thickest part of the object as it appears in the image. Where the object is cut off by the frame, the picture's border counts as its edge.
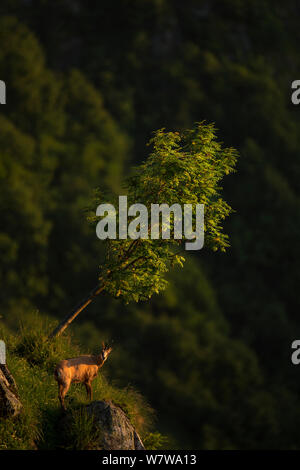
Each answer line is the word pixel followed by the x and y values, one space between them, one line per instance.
pixel 183 168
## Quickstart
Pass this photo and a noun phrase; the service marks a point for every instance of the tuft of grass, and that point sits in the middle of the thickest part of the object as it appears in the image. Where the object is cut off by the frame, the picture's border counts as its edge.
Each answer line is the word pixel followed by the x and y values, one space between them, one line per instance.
pixel 34 346
pixel 80 431
pixel 155 441
pixel 31 359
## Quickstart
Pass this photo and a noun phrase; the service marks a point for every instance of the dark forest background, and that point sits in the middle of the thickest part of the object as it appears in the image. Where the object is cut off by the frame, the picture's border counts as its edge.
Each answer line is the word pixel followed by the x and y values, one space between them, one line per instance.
pixel 87 84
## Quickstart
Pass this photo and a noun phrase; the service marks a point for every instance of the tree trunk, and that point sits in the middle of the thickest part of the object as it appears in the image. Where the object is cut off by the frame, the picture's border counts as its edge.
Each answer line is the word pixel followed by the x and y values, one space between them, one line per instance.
pixel 73 314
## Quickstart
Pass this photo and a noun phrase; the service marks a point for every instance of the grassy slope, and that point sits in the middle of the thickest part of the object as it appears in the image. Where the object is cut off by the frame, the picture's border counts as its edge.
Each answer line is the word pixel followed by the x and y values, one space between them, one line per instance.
pixel 32 360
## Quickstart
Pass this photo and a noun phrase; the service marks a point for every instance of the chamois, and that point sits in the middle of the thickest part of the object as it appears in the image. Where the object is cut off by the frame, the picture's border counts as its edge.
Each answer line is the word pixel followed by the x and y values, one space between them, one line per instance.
pixel 81 369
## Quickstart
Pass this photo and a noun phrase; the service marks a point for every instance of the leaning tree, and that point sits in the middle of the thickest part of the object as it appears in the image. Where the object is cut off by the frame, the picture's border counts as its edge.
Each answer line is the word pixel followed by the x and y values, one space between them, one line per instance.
pixel 183 168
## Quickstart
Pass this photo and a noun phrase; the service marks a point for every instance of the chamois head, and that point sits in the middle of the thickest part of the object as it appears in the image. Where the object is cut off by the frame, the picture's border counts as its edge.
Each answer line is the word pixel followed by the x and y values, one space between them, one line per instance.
pixel 106 350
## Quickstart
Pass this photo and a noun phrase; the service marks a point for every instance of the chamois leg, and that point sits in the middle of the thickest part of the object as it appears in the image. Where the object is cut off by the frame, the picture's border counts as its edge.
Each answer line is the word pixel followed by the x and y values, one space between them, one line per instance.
pixel 60 390
pixel 63 390
pixel 88 388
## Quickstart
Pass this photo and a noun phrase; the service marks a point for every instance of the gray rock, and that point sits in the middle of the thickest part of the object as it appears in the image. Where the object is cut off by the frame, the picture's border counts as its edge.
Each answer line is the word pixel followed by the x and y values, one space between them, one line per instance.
pixel 10 404
pixel 115 429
